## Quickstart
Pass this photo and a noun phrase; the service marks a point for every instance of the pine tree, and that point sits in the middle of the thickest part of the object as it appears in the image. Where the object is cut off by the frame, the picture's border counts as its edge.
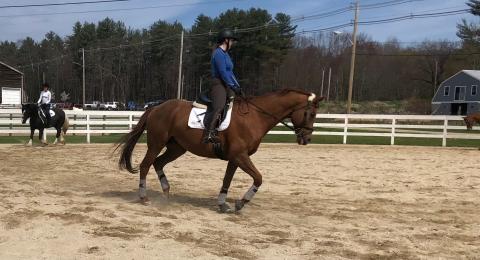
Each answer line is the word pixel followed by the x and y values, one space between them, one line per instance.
pixel 470 32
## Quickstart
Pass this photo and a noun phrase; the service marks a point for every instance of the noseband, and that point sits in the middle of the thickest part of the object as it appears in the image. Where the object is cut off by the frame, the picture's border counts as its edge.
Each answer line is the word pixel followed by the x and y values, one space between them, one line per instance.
pixel 301 131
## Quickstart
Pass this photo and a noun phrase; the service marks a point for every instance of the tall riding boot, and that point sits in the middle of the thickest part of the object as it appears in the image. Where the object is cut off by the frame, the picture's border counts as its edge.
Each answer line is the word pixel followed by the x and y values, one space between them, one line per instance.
pixel 210 134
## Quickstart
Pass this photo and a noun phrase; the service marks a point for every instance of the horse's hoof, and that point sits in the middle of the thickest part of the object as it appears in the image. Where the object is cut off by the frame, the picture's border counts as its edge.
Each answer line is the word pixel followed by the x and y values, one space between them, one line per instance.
pixel 144 201
pixel 239 204
pixel 225 208
pixel 166 192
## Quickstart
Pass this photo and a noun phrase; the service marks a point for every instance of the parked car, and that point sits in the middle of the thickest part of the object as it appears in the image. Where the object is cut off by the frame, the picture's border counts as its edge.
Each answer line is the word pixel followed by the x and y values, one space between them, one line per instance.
pixel 133 106
pixel 153 103
pixel 110 105
pixel 94 105
pixel 64 106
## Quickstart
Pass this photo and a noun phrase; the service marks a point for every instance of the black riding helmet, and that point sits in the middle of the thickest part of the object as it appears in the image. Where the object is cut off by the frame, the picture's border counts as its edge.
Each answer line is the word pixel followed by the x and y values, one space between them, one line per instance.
pixel 226 34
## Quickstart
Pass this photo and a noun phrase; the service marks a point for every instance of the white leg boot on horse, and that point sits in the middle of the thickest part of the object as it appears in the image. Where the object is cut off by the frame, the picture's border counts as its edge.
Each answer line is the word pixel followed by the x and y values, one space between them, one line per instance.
pixel 171 154
pixel 247 166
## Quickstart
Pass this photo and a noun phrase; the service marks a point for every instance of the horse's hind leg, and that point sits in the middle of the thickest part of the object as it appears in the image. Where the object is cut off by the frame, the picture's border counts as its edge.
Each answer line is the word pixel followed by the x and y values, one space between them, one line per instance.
pixel 147 161
pixel 174 150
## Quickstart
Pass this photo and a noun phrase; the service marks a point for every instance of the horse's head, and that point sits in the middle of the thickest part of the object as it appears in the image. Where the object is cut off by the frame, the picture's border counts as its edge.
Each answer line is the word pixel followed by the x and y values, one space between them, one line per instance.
pixel 469 121
pixel 303 119
pixel 27 112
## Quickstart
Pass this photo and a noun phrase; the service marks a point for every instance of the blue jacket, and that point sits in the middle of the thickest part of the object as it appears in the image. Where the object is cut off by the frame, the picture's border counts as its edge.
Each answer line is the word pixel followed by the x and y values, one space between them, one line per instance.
pixel 222 68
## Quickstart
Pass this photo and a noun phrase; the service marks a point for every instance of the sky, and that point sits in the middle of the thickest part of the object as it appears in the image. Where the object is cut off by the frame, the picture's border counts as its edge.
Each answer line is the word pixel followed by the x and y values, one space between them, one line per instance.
pixel 18 23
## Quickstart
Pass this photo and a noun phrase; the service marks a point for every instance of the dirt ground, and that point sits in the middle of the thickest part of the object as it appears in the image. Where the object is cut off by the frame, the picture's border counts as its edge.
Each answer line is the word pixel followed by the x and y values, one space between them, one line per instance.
pixel 317 202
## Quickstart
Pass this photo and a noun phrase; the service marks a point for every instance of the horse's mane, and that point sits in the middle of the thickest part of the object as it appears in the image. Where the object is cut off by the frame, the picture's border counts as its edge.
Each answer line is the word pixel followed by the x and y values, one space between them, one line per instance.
pixel 280 92
pixel 285 91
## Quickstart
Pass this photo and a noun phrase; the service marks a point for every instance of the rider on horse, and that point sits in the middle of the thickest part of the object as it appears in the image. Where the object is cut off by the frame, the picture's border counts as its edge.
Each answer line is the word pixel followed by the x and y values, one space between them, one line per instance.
pixel 223 81
pixel 44 101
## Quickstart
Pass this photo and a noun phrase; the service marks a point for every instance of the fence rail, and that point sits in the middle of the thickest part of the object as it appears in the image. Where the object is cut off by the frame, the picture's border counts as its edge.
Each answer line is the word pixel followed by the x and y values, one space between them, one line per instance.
pixel 90 123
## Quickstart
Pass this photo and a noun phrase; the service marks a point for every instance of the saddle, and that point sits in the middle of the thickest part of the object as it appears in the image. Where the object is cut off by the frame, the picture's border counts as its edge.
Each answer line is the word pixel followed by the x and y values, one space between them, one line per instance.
pixel 203 101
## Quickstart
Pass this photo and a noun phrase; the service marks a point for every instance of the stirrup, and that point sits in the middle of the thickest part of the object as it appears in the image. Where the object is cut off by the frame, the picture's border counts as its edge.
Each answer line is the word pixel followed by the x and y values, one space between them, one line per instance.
pixel 211 137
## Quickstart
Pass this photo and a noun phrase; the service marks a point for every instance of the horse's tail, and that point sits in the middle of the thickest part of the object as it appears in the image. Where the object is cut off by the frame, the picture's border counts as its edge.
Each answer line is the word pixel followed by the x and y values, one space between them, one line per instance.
pixel 66 125
pixel 129 141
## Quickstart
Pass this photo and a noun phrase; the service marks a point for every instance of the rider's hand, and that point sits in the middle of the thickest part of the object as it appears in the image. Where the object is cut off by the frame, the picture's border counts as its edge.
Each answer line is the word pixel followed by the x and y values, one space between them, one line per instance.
pixel 238 92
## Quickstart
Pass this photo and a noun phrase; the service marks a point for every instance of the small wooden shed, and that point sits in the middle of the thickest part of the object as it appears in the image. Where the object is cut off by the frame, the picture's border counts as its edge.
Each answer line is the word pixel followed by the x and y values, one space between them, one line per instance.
pixel 11 85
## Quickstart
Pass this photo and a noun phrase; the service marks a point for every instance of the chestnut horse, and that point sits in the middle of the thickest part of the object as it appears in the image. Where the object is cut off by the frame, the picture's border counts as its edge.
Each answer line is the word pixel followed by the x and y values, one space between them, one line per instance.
pixel 252 118
pixel 470 120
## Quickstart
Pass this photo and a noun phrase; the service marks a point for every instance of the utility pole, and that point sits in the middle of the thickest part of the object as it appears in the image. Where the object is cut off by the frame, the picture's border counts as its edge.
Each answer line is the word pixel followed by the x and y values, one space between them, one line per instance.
pixel 352 61
pixel 83 76
pixel 323 78
pixel 329 81
pixel 179 87
pixel 435 78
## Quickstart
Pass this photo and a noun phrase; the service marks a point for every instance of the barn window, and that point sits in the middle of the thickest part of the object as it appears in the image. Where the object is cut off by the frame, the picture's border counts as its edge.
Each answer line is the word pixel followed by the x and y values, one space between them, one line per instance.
pixel 446 91
pixel 474 90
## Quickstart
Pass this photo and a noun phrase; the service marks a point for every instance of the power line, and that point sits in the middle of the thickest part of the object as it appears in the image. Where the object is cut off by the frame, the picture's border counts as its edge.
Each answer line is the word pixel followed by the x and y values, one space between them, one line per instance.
pixel 391 20
pixel 60 4
pixel 415 16
pixel 417 54
pixel 122 9
pixel 350 8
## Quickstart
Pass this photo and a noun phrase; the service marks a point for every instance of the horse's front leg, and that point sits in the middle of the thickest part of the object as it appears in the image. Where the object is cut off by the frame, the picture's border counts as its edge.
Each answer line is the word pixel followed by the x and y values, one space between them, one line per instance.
pixel 59 130
pixel 247 166
pixel 40 136
pixel 227 180
pixel 32 132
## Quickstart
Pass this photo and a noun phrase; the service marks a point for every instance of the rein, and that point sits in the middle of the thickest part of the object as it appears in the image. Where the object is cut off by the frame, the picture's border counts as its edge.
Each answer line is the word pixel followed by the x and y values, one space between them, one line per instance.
pixel 298 130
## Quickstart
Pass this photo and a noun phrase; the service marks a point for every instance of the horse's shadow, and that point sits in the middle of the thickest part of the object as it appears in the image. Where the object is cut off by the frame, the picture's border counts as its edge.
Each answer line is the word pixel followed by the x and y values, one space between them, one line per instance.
pixel 158 198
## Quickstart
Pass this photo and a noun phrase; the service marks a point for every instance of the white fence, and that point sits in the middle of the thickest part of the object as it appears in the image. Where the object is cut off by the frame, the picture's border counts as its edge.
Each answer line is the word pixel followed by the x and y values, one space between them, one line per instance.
pixel 90 123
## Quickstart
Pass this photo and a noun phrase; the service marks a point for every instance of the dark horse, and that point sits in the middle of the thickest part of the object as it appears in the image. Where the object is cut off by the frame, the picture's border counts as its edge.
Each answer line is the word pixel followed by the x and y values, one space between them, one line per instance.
pixel 59 121
pixel 470 120
pixel 252 118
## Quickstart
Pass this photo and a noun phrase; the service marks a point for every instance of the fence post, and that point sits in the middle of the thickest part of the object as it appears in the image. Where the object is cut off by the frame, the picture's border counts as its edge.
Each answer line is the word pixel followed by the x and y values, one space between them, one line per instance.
pixel 392 137
pixel 103 126
pixel 88 128
pixel 11 124
pixel 345 130
pixel 75 123
pixel 445 132
pixel 130 121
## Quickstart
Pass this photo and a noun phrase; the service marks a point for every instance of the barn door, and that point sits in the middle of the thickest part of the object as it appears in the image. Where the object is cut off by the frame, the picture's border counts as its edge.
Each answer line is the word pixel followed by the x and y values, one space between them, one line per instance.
pixel 460 93
pixel 11 96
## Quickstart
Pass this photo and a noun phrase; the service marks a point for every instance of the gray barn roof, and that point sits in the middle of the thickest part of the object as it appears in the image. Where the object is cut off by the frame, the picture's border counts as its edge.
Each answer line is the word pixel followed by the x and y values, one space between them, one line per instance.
pixel 12 68
pixel 472 73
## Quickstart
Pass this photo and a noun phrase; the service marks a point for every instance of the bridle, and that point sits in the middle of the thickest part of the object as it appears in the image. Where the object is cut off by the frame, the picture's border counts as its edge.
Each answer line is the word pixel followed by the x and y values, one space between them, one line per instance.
pixel 300 131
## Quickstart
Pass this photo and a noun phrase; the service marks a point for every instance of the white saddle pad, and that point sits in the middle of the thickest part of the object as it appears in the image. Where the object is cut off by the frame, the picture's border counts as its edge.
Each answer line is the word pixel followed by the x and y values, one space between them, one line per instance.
pixel 195 120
